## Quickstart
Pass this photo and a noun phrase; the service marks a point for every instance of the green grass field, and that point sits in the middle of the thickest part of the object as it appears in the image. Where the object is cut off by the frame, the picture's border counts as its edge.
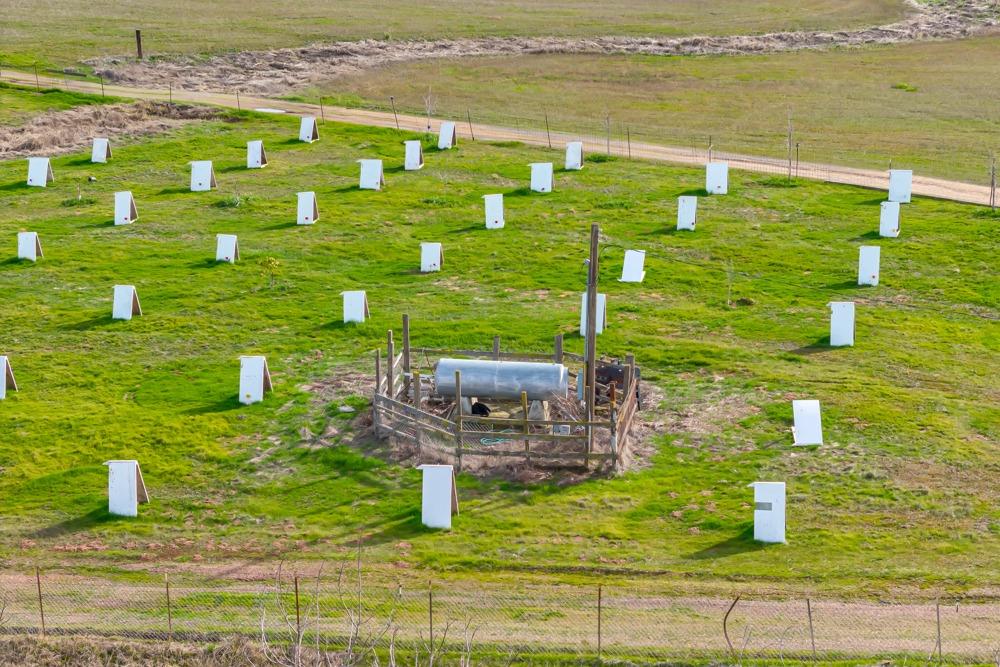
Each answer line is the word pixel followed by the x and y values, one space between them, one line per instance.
pixel 926 105
pixel 62 32
pixel 903 495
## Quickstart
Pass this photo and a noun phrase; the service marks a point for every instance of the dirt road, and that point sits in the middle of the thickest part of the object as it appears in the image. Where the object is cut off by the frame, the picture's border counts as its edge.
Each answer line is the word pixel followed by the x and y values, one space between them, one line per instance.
pixel 924 186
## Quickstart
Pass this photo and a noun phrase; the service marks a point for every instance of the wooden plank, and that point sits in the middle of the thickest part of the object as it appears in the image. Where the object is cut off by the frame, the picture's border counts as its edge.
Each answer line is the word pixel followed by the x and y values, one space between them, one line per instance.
pixel 515 436
pixel 537 455
pixel 411 411
pixel 533 422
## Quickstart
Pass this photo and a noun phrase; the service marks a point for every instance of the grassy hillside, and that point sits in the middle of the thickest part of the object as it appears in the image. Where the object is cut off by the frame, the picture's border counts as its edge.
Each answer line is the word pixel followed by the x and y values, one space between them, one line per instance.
pixel 87 29
pixel 904 493
pixel 924 105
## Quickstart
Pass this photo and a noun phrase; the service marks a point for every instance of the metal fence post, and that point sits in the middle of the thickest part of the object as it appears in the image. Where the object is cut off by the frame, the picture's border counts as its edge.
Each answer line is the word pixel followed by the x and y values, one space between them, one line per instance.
pixel 812 634
pixel 170 613
pixel 600 610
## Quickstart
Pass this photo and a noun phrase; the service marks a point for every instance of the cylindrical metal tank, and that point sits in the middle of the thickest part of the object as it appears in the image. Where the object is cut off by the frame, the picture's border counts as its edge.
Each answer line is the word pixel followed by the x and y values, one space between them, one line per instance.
pixel 502 379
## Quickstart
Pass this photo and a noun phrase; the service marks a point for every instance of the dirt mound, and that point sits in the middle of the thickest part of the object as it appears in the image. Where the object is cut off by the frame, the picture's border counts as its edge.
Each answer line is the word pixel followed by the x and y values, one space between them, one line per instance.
pixel 278 71
pixel 68 131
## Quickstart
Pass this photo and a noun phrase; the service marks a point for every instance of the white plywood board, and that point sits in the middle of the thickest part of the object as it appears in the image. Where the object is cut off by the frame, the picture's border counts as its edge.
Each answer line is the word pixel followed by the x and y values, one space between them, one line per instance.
pixel 7 381
pixel 308 209
pixel 687 212
pixel 888 222
pixel 541 177
pixel 308 130
pixel 602 313
pixel 717 178
pixel 841 323
pixel 125 210
pixel 900 185
pixel 101 150
pixel 202 176
pixel 769 512
pixel 633 268
pixel 574 156
pixel 256 155
pixel 39 172
pixel 28 246
pixel 227 248
pixel 869 259
pixel 494 211
pixel 126 488
pixel 439 496
pixel 255 379
pixel 126 303
pixel 807 426
pixel 447 135
pixel 414 158
pixel 372 177
pixel 355 306
pixel 431 257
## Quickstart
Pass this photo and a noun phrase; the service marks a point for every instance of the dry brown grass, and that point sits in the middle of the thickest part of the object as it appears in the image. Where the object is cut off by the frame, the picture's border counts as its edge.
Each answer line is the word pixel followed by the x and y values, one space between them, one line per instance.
pixel 97 652
pixel 57 132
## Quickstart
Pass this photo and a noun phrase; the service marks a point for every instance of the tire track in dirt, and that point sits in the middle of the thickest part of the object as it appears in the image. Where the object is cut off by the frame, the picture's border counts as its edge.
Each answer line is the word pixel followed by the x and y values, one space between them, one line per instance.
pixel 283 70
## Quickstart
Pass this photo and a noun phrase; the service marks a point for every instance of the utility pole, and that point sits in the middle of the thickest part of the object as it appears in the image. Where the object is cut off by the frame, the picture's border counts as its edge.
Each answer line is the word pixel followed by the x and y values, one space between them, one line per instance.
pixel 590 354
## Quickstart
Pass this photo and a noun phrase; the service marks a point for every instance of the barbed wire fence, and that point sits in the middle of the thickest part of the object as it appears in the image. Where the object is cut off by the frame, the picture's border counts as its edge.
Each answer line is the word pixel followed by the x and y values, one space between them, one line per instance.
pixel 460 621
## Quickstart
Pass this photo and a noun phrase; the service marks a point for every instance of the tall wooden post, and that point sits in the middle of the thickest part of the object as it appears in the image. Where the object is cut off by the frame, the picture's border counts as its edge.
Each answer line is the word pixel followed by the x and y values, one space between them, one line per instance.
pixel 390 371
pixel 41 609
pixel 170 611
pixel 298 616
pixel 138 44
pixel 548 136
pixel 406 356
pixel 591 336
pixel 376 422
pixel 557 354
pixel 458 419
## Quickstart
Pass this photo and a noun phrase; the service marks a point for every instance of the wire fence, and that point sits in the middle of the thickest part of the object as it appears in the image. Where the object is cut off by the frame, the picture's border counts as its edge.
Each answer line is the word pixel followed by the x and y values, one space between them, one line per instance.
pixel 532 623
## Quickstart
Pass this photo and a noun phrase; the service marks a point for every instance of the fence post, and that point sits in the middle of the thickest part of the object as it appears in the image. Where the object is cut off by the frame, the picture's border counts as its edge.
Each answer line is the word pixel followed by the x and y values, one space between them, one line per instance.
pixel 600 613
pixel 37 86
pixel 41 609
pixel 298 617
pixel 937 610
pixel 238 107
pixel 322 112
pixel 468 114
pixel 524 422
pixel 392 101
pixel 170 612
pixel 458 418
pixel 102 86
pixel 430 614
pixel 170 92
pixel 613 423
pixel 607 132
pixel 628 138
pixel 547 135
pixel 406 355
pixel 993 182
pixel 557 354
pixel 138 43
pixel 812 634
pixel 418 432
pixel 378 391
pixel 390 371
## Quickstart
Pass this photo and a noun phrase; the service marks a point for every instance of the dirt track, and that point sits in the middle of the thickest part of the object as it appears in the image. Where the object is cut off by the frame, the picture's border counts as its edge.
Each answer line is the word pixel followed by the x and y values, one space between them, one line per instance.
pixel 283 70
pixel 929 187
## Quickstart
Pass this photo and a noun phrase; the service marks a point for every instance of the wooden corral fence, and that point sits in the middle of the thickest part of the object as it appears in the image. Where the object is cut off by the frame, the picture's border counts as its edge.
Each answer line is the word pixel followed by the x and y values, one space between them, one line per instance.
pixel 404 392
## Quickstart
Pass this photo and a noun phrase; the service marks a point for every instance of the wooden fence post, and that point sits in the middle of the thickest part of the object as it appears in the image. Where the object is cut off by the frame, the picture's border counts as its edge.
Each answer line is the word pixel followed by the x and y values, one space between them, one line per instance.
pixel 378 391
pixel 524 422
pixel 418 432
pixel 812 633
pixel 41 609
pixel 407 370
pixel 613 423
pixel 390 372
pixel 600 613
pixel 138 44
pixel 557 355
pixel 170 611
pixel 298 616
pixel 458 418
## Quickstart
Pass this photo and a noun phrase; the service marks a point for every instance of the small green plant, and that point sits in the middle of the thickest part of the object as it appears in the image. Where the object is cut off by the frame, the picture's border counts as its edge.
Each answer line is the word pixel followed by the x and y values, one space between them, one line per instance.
pixel 269 267
pixel 234 201
pixel 600 157
pixel 78 201
pixel 904 87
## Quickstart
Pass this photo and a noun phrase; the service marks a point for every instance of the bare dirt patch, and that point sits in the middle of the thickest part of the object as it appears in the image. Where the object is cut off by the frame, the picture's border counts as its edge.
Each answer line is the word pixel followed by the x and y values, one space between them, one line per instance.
pixel 283 70
pixel 69 131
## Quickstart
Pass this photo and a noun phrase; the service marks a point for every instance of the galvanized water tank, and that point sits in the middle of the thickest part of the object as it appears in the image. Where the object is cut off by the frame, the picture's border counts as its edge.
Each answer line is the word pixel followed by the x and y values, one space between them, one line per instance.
pixel 502 379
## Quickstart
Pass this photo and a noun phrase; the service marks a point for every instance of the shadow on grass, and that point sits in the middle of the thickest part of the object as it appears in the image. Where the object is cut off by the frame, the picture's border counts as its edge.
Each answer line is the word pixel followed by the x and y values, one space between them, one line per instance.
pixel 224 405
pixel 867 236
pixel 470 228
pixel 176 190
pixel 232 168
pixel 847 284
pixel 522 192
pixel 738 544
pixel 872 202
pixel 394 170
pixel 283 225
pixel 16 260
pixel 77 524
pixel 101 225
pixel 820 345
pixel 81 161
pixel 694 192
pixel 336 325
pixel 207 264
pixel 92 323
pixel 17 185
